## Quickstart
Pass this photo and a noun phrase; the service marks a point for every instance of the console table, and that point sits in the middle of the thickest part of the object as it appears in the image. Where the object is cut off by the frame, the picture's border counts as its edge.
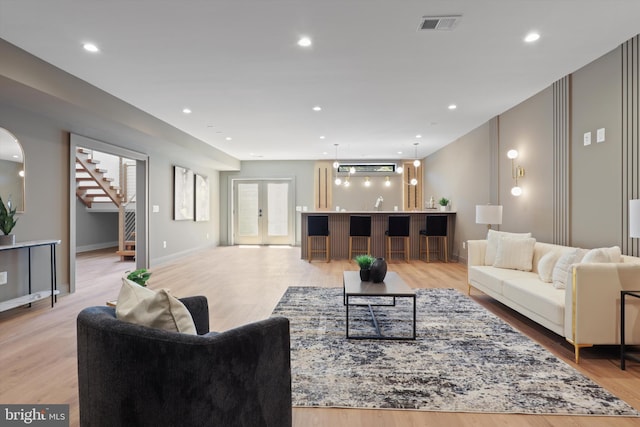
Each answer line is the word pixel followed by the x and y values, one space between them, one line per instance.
pixel 35 296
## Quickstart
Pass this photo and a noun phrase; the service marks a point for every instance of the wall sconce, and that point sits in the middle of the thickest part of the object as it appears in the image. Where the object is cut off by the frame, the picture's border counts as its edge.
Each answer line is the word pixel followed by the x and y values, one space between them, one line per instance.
pixel 517 171
pixel 387 181
pixel 367 183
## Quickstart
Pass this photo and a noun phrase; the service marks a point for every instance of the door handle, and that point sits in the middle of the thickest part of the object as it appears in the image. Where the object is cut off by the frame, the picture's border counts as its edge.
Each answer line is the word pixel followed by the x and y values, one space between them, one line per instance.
pixel 260 212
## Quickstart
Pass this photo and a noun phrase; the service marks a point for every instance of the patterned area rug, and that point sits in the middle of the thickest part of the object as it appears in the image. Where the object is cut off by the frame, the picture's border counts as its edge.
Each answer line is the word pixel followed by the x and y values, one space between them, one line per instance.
pixel 465 359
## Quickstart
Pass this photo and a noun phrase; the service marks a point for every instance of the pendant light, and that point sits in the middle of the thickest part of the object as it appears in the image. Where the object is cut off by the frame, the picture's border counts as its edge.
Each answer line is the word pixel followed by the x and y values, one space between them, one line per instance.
pixel 336 165
pixel 416 162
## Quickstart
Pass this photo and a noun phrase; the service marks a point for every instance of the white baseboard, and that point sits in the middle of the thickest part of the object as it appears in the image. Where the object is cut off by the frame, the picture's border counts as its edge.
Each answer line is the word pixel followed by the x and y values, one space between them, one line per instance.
pixel 96 246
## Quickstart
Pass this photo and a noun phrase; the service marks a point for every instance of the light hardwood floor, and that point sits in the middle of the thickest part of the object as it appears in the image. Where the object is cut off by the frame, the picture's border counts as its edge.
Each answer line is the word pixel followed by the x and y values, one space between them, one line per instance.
pixel 38 344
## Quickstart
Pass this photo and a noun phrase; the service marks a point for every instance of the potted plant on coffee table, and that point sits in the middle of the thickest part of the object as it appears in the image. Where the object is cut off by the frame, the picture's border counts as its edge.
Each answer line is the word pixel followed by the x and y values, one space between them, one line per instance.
pixel 364 261
pixel 7 222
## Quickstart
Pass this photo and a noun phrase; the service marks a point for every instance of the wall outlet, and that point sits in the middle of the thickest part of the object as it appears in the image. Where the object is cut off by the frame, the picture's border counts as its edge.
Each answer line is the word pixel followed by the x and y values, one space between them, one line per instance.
pixel 156 209
pixel 587 138
pixel 464 245
pixel 3 277
pixel 600 135
pixel 164 244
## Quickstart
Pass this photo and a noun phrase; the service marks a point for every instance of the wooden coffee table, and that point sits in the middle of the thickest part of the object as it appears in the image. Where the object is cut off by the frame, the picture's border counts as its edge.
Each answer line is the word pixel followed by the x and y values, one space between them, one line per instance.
pixel 392 286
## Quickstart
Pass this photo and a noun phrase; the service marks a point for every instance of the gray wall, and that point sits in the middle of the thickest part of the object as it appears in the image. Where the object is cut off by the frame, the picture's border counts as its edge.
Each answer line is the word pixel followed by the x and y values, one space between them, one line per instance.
pixel 528 128
pixel 461 172
pixel 95 230
pixel 596 176
pixel 359 197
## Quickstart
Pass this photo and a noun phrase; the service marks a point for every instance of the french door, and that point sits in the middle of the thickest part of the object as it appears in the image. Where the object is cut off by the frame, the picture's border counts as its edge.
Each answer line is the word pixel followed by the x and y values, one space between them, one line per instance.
pixel 262 212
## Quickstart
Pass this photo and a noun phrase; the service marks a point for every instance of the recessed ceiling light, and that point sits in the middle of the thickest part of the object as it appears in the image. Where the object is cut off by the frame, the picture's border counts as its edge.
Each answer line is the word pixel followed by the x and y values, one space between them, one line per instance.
pixel 418 136
pixel 304 42
pixel 399 152
pixel 452 107
pixel 228 138
pixel 324 153
pixel 531 37
pixel 317 108
pixel 321 136
pixel 186 110
pixel 90 47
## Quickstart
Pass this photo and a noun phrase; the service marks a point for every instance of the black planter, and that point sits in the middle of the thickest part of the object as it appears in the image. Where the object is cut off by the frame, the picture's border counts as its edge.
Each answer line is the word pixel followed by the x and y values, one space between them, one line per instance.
pixel 365 274
pixel 378 270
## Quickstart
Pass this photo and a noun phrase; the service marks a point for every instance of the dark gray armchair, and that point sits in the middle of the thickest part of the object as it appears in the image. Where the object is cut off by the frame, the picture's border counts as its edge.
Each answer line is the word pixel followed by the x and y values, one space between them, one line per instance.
pixel 131 375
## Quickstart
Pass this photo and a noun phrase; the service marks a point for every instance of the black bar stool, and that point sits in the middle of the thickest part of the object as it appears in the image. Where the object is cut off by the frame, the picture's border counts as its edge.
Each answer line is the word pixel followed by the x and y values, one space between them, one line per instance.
pixel 398 229
pixel 318 229
pixel 359 230
pixel 436 228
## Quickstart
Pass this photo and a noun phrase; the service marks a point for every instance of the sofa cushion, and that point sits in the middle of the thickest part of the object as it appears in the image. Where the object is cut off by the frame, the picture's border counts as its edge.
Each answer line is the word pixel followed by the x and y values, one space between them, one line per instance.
pixel 143 306
pixel 493 237
pixel 546 265
pixel 515 254
pixel 612 254
pixel 491 278
pixel 562 269
pixel 542 298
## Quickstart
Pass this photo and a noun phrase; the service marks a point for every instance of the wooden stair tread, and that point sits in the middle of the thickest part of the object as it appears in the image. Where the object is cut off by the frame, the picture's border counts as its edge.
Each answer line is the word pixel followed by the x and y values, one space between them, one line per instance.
pixel 126 253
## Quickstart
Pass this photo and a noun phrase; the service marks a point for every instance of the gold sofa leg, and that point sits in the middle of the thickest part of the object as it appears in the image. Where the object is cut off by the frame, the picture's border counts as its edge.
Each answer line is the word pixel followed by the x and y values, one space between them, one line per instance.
pixel 577 348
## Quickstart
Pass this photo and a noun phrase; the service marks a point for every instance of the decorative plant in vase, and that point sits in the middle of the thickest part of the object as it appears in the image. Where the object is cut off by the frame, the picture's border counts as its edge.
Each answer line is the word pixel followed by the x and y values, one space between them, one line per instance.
pixel 139 276
pixel 7 222
pixel 364 261
pixel 443 202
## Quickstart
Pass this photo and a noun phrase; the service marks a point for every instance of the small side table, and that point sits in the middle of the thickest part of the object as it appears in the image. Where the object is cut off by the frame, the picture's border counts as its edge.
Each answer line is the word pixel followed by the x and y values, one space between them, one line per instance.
pixel 623 353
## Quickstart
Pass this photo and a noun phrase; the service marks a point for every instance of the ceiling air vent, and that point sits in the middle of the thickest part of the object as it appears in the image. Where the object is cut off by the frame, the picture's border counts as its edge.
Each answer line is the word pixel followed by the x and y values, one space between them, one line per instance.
pixel 441 23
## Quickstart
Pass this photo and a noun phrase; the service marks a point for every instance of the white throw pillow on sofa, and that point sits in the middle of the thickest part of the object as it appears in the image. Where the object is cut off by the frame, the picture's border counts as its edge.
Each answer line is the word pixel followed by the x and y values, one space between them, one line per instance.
pixel 546 264
pixel 562 268
pixel 612 254
pixel 515 254
pixel 493 237
pixel 160 310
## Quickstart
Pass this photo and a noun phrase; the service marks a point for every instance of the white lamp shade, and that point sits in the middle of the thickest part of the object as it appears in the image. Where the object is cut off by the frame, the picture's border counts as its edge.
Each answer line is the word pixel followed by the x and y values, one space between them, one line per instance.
pixel 488 214
pixel 634 218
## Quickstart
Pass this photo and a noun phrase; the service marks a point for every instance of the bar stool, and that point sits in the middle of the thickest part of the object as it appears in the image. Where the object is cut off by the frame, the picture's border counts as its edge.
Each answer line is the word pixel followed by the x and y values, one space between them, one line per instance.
pixel 318 229
pixel 398 228
pixel 436 228
pixel 359 230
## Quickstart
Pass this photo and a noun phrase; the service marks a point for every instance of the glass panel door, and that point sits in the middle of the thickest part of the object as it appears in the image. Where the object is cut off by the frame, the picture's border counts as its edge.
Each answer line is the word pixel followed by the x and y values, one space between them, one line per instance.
pixel 262 212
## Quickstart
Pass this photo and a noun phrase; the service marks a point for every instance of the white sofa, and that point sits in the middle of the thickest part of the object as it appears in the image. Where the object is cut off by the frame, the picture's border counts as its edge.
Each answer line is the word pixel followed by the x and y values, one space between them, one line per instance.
pixel 587 313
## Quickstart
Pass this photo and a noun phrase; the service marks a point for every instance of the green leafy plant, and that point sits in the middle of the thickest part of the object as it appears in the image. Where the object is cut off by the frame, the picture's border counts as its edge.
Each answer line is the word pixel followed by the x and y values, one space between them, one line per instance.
pixel 443 202
pixel 140 276
pixel 364 261
pixel 7 217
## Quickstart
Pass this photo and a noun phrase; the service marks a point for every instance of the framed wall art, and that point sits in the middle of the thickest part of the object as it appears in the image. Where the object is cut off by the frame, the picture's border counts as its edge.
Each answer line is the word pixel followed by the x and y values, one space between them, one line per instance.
pixel 183 200
pixel 202 205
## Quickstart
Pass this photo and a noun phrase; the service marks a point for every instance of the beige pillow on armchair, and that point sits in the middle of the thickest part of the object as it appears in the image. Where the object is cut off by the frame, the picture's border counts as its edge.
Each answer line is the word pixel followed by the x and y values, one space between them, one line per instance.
pixel 160 310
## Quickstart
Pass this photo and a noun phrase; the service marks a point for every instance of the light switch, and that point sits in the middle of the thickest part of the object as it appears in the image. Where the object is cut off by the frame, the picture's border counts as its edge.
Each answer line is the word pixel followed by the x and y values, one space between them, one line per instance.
pixel 156 208
pixel 600 135
pixel 587 138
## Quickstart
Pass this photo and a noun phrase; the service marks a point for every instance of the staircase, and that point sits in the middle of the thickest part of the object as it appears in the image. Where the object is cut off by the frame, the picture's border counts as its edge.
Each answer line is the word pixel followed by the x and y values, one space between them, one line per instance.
pixel 93 186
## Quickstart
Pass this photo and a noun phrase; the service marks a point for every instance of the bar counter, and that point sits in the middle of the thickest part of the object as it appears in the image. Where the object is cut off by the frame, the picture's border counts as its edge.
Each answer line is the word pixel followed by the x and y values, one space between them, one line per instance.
pixel 339 230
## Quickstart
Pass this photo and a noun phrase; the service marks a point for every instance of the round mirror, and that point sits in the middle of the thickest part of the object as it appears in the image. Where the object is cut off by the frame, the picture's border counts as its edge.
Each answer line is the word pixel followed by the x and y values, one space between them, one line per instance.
pixel 11 170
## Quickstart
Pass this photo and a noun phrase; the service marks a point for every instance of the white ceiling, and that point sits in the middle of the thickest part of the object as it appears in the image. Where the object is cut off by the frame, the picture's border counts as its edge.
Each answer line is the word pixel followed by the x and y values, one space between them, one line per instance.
pixel 380 81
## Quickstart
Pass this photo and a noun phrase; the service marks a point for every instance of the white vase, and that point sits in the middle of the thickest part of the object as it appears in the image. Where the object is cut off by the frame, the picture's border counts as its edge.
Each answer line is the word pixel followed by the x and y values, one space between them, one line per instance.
pixel 7 239
pixel 443 208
